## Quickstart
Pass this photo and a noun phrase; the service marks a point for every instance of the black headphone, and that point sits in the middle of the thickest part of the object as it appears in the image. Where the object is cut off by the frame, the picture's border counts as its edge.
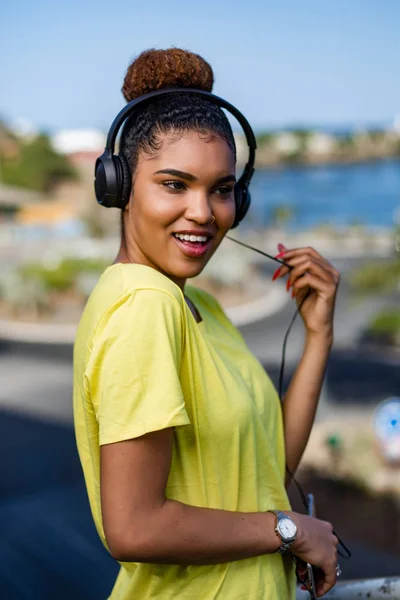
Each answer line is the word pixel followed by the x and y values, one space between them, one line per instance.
pixel 113 179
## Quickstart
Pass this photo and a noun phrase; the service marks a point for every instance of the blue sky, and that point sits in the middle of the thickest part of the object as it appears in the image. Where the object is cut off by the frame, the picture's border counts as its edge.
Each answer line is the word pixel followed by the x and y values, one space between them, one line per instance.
pixel 289 61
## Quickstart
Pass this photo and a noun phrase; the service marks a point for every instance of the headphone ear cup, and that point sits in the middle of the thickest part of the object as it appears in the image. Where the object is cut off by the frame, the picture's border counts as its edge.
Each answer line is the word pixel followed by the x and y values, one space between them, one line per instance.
pixel 246 203
pixel 242 202
pixel 105 182
pixel 124 181
pixel 112 181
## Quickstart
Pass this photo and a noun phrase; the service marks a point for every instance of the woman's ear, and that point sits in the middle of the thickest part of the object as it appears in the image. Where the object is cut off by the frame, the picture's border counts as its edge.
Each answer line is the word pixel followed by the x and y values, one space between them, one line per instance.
pixel 128 204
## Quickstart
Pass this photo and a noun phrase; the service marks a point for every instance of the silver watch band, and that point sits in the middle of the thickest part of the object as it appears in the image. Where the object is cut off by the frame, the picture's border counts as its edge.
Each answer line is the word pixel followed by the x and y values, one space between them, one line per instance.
pixel 284 547
pixel 279 514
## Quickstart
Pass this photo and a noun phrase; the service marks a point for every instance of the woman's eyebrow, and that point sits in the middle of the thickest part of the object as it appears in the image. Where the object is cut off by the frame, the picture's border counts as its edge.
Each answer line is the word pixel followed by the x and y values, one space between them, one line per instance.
pixel 226 179
pixel 177 173
pixel 190 177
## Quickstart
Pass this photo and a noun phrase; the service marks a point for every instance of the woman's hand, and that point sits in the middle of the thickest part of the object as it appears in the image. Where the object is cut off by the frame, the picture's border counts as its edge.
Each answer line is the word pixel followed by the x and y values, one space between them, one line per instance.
pixel 311 273
pixel 316 544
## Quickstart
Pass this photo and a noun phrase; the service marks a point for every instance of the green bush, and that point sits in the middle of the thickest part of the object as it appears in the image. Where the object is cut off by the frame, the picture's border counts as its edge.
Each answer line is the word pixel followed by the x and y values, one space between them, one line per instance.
pixel 281 214
pixel 376 277
pixel 385 322
pixel 265 138
pixel 292 157
pixel 37 166
pixel 62 278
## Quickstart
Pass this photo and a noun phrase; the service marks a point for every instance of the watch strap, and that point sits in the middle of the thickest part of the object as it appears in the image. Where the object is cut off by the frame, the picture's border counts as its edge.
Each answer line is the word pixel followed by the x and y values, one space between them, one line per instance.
pixel 284 547
pixel 279 514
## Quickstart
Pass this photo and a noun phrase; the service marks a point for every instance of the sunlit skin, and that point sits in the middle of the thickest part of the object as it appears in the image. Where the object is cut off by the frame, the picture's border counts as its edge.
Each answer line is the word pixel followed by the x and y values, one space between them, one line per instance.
pixel 162 203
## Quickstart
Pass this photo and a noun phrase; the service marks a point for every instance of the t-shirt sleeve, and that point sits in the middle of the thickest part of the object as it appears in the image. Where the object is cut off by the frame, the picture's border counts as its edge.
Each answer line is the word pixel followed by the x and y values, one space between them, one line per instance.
pixel 134 366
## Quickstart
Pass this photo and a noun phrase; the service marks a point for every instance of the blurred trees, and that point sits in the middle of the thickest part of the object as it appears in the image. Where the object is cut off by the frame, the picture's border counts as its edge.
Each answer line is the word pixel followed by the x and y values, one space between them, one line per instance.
pixel 301 145
pixel 281 214
pixel 376 277
pixel 385 326
pixel 37 289
pixel 62 276
pixel 266 138
pixel 31 162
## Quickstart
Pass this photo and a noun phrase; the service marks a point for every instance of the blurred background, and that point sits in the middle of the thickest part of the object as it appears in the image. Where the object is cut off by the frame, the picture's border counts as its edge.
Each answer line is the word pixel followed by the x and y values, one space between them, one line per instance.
pixel 319 83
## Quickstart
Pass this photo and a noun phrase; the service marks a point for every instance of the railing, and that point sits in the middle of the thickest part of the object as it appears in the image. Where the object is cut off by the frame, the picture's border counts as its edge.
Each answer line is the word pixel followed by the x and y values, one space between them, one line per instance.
pixel 387 588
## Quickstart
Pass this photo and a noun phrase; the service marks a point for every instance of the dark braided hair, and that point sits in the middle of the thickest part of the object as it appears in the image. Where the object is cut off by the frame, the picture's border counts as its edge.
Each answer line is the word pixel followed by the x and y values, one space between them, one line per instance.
pixel 178 113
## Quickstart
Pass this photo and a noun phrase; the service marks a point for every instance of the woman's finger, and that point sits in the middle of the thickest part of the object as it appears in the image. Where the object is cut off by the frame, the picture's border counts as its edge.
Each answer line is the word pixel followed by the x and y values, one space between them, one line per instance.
pixel 327 289
pixel 293 262
pixel 327 581
pixel 290 252
pixel 290 256
pixel 309 266
pixel 298 257
pixel 281 272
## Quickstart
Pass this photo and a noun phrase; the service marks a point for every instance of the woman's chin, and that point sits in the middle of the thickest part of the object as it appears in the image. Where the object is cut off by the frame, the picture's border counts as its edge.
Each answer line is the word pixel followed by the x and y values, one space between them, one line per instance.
pixel 183 272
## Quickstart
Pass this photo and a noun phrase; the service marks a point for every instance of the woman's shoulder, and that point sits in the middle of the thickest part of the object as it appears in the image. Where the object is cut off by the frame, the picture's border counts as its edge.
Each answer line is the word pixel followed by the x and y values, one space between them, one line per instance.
pixel 131 277
pixel 124 289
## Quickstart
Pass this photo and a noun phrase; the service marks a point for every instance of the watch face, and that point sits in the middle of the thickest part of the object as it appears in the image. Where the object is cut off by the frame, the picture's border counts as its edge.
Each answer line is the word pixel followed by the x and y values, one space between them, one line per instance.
pixel 287 529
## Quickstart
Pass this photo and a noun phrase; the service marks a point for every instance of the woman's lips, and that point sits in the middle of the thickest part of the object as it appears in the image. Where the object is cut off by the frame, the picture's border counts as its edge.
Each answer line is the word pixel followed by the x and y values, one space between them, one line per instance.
pixel 193 249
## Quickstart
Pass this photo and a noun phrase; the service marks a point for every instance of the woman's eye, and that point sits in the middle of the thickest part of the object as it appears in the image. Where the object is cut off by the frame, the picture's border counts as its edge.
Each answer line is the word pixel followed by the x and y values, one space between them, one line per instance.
pixel 179 186
pixel 176 186
pixel 224 191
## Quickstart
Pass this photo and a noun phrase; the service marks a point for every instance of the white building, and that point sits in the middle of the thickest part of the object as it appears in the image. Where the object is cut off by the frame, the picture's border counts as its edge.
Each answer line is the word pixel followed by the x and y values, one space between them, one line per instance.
pixel 73 141
pixel 320 143
pixel 286 143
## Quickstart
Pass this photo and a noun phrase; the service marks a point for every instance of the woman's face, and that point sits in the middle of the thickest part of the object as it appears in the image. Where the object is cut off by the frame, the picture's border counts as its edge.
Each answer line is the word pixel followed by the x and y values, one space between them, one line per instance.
pixel 176 193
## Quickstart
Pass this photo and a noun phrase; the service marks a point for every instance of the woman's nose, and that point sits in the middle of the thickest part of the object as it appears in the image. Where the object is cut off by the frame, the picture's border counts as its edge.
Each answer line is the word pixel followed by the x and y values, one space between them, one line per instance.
pixel 199 208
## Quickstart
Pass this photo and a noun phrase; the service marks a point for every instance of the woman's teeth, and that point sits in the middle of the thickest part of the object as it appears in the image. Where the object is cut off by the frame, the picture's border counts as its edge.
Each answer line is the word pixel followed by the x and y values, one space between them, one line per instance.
pixel 191 238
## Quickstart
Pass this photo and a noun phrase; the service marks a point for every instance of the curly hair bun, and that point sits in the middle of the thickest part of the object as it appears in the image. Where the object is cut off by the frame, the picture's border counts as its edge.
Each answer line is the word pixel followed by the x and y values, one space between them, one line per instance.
pixel 156 69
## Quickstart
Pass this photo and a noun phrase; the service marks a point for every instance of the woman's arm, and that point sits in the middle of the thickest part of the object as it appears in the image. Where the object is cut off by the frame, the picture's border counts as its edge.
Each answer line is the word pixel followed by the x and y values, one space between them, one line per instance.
pixel 301 399
pixel 142 525
pixel 314 282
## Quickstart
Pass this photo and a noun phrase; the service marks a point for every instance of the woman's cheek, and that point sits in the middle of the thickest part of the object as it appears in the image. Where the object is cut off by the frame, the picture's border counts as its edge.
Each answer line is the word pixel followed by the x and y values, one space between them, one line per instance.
pixel 164 210
pixel 229 214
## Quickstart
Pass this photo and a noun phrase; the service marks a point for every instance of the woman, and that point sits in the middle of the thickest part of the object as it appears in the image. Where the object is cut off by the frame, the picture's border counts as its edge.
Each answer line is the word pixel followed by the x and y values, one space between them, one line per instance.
pixel 180 431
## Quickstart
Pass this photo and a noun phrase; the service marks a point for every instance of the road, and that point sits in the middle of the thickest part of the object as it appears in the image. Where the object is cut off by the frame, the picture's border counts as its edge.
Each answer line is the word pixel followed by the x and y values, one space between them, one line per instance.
pixel 48 547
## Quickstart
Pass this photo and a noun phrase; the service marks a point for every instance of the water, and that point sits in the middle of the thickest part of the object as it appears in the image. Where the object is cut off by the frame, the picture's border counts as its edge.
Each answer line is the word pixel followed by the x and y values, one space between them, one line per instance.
pixel 338 195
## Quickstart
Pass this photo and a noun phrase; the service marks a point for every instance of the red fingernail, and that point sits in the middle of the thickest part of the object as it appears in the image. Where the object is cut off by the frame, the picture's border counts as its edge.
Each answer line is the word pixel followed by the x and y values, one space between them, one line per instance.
pixel 276 274
pixel 287 285
pixel 303 587
pixel 279 255
pixel 281 247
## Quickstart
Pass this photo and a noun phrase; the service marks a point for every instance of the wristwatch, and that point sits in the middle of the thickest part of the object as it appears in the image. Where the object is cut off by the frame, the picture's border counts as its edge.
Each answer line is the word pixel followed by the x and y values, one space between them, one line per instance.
pixel 286 528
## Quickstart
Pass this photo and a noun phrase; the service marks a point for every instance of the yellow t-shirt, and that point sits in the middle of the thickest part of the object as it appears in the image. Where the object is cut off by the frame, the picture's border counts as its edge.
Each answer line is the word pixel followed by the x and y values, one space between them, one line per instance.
pixel 142 363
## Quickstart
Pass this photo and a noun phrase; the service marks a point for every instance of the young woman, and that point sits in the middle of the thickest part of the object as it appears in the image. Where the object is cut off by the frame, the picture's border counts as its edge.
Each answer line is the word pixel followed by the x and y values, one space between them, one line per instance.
pixel 180 432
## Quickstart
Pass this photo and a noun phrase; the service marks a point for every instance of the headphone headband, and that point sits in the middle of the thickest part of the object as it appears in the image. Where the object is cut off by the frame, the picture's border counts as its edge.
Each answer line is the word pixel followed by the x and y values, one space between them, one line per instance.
pixel 146 98
pixel 112 173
